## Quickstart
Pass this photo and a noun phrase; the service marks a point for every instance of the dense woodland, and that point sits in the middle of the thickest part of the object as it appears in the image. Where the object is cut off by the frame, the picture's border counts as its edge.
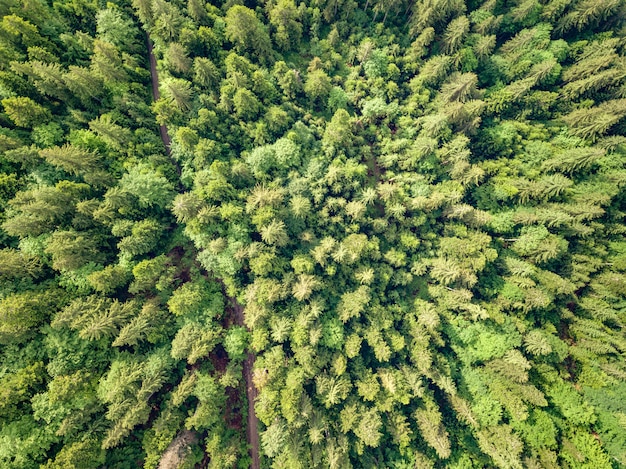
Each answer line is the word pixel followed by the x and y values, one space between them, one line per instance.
pixel 419 207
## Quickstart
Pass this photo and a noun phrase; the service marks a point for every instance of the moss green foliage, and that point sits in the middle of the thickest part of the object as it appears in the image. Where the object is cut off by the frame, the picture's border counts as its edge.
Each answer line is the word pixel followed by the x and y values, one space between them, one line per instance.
pixel 407 217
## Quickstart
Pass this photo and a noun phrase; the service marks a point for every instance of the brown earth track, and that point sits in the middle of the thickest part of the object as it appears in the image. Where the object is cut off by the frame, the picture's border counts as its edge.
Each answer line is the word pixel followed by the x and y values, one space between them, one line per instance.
pixel 252 431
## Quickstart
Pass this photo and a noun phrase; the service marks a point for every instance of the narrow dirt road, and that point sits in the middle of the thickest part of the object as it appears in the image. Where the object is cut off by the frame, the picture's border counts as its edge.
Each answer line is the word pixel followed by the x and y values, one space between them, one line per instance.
pixel 252 430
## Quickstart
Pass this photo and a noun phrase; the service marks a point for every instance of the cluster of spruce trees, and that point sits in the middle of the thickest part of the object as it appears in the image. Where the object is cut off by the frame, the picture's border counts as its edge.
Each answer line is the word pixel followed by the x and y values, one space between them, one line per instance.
pixel 419 206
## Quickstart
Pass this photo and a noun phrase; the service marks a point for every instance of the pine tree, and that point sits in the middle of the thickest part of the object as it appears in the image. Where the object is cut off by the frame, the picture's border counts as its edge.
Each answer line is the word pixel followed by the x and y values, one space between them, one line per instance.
pixel 431 427
pixel 284 16
pixel 71 249
pixel 85 84
pixel 25 112
pixel 178 92
pixel 455 33
pixel 368 427
pixel 94 327
pixel 245 30
pixel 107 64
pixel 594 122
pixel 275 233
pixel 113 134
pixel 72 159
pixel 22 312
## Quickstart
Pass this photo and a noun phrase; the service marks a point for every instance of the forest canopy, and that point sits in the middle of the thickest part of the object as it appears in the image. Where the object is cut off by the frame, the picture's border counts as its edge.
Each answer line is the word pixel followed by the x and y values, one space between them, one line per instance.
pixel 312 234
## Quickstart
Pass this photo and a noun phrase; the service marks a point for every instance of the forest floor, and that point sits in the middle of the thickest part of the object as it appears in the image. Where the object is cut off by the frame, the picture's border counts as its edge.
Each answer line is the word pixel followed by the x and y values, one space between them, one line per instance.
pixel 178 450
pixel 252 432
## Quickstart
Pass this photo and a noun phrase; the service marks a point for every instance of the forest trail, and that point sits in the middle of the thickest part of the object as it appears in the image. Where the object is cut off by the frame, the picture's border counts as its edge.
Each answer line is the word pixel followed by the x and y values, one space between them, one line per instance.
pixel 252 432
pixel 165 136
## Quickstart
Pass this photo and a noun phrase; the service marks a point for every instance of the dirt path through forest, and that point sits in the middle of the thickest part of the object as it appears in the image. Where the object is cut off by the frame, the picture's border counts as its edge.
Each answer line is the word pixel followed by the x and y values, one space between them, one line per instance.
pixel 252 431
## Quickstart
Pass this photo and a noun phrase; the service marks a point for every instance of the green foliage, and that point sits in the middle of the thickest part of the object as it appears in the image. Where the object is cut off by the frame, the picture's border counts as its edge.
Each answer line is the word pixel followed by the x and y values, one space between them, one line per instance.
pixel 396 227
pixel 70 249
pixel 247 33
pixel 37 211
pixel 126 390
pixel 17 388
pixel 79 455
pixel 143 238
pixel 236 342
pixel 318 86
pixel 152 274
pixel 196 299
pixel 21 313
pixel 149 187
pixel 24 112
pixel 109 279
pixel 352 304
